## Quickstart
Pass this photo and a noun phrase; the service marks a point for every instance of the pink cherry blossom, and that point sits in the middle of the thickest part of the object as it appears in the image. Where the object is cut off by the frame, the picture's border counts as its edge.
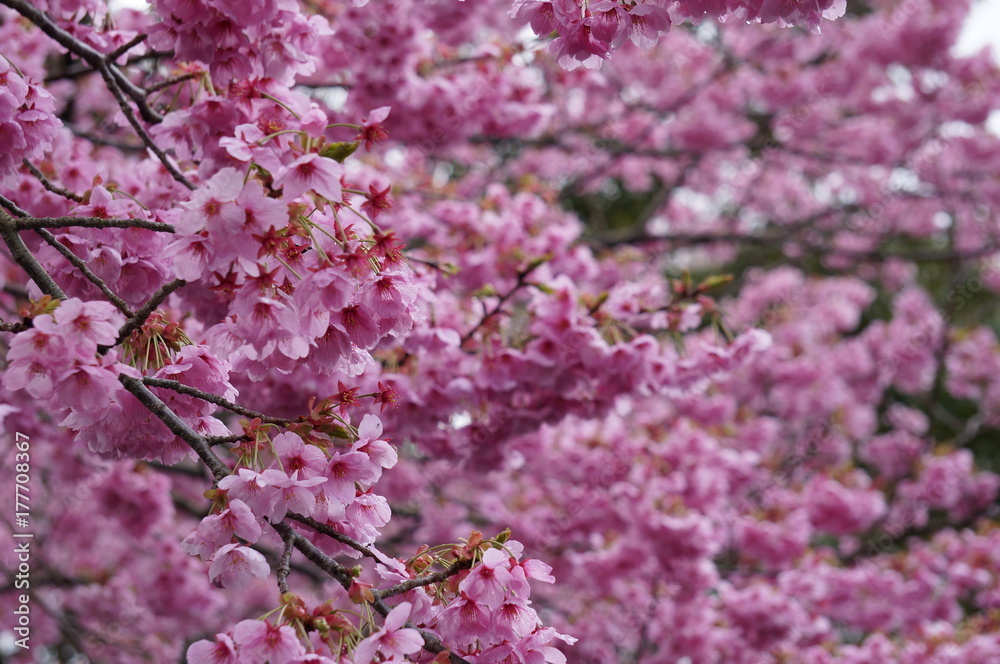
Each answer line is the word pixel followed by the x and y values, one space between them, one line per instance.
pixel 489 580
pixel 381 454
pixel 392 641
pixel 685 346
pixel 234 566
pixel 222 651
pixel 261 641
pixel 310 173
pixel 295 456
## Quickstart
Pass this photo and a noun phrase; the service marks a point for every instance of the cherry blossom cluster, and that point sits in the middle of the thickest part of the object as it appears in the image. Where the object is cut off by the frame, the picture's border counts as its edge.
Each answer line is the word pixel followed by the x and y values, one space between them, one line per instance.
pixel 484 611
pixel 57 359
pixel 446 89
pixel 269 38
pixel 588 32
pixel 708 329
pixel 27 123
pixel 128 261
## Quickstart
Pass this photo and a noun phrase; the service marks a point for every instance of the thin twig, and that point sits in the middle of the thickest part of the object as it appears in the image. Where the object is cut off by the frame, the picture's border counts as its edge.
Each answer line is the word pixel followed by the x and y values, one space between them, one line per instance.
pixel 173 80
pixel 106 70
pixel 175 424
pixel 12 207
pixel 225 440
pixel 14 327
pixel 47 183
pixel 339 536
pixel 92 222
pixel 212 398
pixel 145 311
pixel 498 307
pixel 126 47
pixel 22 255
pixel 118 84
pixel 76 262
pixel 425 580
pixel 99 61
pixel 284 564
pixel 432 643
pixel 312 552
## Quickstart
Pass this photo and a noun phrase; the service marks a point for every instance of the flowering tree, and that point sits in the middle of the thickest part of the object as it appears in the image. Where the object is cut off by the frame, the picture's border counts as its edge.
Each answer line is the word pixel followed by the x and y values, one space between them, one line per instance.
pixel 664 328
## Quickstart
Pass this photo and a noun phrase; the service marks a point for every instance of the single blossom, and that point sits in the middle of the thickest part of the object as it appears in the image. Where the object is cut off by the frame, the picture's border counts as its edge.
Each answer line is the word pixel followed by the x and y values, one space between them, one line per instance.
pixel 393 641
pixel 310 172
pixel 262 641
pixel 234 567
pixel 488 581
pixel 220 651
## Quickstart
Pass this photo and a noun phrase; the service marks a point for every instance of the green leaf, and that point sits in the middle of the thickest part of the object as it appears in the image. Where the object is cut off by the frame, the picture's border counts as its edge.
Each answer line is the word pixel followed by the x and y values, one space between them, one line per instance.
pixel 339 151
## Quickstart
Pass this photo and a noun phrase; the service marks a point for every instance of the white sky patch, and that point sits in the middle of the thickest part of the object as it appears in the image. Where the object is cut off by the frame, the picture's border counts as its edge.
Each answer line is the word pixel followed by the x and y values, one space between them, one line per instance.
pixel 981 28
pixel 115 5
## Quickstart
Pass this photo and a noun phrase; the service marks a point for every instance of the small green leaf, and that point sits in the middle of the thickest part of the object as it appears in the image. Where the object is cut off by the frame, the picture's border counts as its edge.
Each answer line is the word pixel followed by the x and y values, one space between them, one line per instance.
pixel 339 151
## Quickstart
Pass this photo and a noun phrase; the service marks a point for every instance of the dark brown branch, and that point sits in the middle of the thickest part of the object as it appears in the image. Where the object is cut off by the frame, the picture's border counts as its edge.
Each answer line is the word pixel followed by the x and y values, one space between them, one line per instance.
pixel 337 535
pixel 284 564
pixel 47 184
pixel 92 222
pixel 82 70
pixel 14 327
pixel 126 47
pixel 498 307
pixel 317 557
pixel 212 398
pixel 118 84
pixel 223 440
pixel 12 208
pixel 432 644
pixel 175 424
pixel 425 580
pixel 22 256
pixel 173 80
pixel 76 262
pixel 139 318
pixel 106 70
pixel 99 61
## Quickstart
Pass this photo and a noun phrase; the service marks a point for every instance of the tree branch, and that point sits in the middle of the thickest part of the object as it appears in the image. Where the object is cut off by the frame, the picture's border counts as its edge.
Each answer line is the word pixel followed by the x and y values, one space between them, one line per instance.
pixel 13 327
pixel 105 70
pixel 425 580
pixel 92 222
pixel 167 82
pixel 126 47
pixel 337 535
pixel 118 84
pixel 75 261
pixel 23 257
pixel 145 311
pixel 284 564
pixel 47 183
pixel 522 275
pixel 175 424
pixel 99 61
pixel 212 398
pixel 312 552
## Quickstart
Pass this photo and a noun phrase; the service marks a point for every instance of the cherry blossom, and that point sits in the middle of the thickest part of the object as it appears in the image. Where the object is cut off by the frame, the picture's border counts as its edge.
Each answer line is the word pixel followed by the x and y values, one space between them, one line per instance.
pixel 392 641
pixel 663 333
